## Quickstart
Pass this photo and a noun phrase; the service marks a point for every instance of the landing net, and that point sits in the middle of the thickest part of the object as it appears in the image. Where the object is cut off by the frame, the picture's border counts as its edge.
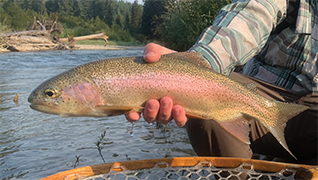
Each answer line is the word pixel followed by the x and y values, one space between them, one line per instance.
pixel 204 170
pixel 181 169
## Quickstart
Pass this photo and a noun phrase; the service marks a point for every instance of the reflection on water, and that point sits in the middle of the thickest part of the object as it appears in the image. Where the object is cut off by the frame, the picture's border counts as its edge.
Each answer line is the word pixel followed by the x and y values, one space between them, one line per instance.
pixel 34 145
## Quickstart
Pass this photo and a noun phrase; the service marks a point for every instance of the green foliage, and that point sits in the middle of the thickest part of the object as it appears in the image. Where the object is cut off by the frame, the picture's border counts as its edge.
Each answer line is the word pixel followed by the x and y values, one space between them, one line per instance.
pixel 81 31
pixel 15 17
pixel 118 34
pixel 96 24
pixel 3 21
pixel 82 17
pixel 112 43
pixel 76 26
pixel 186 19
pixel 4 28
pixel 109 12
pixel 178 23
pixel 136 14
pixel 52 6
pixel 152 16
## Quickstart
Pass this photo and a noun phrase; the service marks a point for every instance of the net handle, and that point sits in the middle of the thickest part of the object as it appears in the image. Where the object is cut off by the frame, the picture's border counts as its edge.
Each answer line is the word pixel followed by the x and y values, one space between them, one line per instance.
pixel 303 171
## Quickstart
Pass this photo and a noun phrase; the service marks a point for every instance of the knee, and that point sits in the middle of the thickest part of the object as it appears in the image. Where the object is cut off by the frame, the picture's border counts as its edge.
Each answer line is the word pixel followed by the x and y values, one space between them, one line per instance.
pixel 200 136
pixel 208 138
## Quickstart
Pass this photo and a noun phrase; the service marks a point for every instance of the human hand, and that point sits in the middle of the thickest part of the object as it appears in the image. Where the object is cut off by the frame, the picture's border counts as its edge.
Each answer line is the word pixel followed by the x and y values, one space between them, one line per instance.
pixel 163 110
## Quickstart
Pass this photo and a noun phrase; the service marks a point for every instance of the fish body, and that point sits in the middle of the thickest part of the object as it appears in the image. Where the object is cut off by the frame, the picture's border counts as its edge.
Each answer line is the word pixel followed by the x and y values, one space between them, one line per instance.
pixel 121 85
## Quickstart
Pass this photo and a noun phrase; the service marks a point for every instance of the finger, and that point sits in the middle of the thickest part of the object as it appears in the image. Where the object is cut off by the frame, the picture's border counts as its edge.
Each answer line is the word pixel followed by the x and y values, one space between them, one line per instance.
pixel 133 116
pixel 151 110
pixel 153 52
pixel 165 109
pixel 179 116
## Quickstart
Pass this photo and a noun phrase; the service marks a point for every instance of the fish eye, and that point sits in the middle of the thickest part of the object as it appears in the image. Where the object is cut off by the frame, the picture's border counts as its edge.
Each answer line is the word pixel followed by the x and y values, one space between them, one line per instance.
pixel 50 93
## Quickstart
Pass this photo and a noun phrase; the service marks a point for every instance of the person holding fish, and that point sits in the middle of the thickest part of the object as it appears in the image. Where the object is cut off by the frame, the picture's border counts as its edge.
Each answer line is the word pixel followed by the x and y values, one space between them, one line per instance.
pixel 277 41
pixel 270 108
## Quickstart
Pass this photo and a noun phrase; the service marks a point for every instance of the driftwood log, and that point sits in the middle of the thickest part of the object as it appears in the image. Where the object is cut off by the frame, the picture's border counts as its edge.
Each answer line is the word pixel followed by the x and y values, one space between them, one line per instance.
pixel 71 40
pixel 40 37
pixel 34 40
pixel 39 40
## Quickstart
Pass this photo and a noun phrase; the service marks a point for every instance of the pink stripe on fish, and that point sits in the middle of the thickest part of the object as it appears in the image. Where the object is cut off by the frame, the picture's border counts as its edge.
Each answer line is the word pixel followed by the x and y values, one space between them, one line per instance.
pixel 206 91
pixel 167 83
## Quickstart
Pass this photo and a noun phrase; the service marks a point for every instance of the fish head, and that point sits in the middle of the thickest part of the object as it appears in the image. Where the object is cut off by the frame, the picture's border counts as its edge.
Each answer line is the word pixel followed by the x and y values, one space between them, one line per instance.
pixel 67 94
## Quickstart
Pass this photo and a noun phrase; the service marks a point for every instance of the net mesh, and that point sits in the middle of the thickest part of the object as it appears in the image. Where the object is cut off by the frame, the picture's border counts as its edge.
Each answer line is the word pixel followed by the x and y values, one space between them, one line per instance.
pixel 202 171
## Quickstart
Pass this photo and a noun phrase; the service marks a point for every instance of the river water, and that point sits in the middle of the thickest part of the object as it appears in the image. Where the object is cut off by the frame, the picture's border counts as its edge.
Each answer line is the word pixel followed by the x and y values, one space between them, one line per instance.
pixel 34 145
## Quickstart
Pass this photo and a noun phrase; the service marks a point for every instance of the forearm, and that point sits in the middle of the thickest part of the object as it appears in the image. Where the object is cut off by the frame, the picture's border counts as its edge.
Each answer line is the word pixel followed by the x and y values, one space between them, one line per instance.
pixel 239 32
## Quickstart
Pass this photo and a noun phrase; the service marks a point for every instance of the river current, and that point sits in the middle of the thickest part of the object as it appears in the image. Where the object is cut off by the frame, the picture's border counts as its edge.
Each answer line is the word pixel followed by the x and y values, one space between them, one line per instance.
pixel 34 145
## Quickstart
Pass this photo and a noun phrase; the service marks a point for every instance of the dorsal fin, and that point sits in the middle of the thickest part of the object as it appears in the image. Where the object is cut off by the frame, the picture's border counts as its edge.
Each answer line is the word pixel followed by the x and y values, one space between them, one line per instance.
pixel 193 57
pixel 251 86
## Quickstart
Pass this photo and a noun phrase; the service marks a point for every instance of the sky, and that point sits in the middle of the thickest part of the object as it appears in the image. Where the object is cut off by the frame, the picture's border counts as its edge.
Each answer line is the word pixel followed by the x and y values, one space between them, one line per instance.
pixel 132 1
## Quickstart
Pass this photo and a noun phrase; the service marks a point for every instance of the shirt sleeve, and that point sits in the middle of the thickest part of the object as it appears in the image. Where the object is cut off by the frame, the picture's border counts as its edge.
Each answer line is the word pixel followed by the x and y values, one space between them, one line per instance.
pixel 239 32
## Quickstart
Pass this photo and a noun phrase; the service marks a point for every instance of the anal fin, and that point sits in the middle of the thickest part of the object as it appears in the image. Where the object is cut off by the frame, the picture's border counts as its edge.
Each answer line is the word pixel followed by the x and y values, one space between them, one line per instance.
pixel 238 127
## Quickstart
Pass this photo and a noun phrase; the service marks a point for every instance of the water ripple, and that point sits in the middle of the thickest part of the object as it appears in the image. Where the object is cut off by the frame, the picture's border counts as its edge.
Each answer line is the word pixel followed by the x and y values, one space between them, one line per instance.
pixel 34 145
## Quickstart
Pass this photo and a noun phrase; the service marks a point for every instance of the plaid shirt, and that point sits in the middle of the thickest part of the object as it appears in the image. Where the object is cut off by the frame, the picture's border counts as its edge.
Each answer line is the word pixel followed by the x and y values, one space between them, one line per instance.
pixel 244 33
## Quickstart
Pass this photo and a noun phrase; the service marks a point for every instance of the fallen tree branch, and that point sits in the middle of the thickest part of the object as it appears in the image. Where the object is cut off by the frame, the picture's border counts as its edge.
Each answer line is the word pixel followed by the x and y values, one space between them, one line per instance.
pixel 42 27
pixel 71 40
pixel 52 27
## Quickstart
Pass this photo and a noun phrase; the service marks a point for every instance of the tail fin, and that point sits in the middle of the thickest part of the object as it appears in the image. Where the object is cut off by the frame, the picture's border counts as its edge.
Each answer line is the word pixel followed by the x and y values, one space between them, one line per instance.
pixel 286 111
pixel 289 110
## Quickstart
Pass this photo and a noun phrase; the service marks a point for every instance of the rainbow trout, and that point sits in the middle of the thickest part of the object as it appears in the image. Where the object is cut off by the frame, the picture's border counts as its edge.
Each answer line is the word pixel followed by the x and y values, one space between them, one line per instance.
pixel 120 85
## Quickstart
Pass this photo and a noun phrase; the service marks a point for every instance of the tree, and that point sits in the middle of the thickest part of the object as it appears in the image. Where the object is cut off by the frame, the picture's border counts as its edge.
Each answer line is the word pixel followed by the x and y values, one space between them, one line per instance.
pixel 4 25
pixel 127 20
pixel 109 12
pixel 66 7
pixel 16 17
pixel 185 20
pixel 152 16
pixel 84 6
pixel 76 7
pixel 92 13
pixel 26 4
pixel 37 6
pixel 122 14
pixel 52 6
pixel 78 17
pixel 136 14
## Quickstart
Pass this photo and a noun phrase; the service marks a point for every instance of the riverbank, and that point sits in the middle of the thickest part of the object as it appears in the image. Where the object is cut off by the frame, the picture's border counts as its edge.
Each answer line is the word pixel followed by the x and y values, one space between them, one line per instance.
pixel 79 47
pixel 109 47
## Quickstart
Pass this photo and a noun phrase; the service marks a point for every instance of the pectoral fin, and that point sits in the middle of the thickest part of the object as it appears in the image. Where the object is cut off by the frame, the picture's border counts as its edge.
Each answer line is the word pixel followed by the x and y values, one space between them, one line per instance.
pixel 118 110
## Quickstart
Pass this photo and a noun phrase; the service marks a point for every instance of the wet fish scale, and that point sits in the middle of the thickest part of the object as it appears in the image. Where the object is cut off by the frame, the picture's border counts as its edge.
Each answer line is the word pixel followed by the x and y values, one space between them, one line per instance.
pixel 119 85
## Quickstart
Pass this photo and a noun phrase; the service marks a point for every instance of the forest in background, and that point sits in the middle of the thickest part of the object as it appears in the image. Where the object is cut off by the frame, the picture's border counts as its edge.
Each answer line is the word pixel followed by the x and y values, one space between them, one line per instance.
pixel 173 23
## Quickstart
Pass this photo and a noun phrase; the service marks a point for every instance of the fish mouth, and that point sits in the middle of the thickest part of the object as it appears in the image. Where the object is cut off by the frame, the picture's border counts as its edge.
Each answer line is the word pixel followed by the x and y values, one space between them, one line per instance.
pixel 44 108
